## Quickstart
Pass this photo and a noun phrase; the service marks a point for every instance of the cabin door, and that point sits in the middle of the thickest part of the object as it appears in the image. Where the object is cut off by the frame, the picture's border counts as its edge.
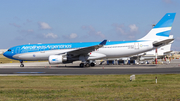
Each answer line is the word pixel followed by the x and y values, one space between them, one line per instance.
pixel 136 45
pixel 17 50
pixel 42 50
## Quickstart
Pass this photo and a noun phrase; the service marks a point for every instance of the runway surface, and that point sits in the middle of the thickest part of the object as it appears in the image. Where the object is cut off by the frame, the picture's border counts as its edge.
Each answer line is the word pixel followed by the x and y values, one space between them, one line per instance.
pixel 43 68
pixel 86 71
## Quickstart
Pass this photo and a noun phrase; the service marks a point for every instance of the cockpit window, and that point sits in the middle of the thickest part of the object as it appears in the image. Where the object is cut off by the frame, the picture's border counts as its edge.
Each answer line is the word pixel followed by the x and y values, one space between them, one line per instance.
pixel 9 50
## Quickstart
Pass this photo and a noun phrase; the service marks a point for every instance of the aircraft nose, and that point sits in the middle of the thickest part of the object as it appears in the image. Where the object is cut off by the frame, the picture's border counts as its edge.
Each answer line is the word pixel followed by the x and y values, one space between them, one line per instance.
pixel 7 54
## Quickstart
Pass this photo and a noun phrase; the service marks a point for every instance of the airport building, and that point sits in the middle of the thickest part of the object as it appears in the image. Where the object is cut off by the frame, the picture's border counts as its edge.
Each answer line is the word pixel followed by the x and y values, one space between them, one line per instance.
pixel 2 51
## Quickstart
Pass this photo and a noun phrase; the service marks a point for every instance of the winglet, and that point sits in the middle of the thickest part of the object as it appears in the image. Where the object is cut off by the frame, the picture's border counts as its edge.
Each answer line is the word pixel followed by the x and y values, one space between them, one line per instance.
pixel 103 42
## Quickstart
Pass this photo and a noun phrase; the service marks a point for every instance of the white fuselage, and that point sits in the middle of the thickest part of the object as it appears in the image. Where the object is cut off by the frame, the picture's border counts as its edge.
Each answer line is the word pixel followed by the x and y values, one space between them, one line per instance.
pixel 107 51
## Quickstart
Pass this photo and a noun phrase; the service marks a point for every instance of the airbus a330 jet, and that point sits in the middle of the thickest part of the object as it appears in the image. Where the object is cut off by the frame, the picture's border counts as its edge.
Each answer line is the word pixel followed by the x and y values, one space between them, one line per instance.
pixel 88 52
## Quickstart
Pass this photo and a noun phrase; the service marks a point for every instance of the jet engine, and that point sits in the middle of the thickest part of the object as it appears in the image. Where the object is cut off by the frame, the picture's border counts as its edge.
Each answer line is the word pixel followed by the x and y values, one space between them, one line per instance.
pixel 57 59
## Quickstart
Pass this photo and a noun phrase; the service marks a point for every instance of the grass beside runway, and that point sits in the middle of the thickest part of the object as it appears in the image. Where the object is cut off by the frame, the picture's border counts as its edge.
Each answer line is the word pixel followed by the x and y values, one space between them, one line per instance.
pixel 3 59
pixel 90 87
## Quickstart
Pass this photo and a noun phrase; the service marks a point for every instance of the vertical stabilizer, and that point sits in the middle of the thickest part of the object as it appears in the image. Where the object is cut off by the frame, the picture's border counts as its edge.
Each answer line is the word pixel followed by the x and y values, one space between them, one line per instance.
pixel 162 29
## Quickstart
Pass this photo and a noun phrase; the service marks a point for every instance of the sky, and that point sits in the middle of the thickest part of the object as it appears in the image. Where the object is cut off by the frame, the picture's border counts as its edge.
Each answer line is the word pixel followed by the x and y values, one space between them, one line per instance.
pixel 64 21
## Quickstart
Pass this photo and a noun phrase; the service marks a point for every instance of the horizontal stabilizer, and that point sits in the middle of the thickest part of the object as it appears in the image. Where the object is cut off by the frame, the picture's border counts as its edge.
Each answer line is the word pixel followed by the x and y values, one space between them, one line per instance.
pixel 167 52
pixel 160 43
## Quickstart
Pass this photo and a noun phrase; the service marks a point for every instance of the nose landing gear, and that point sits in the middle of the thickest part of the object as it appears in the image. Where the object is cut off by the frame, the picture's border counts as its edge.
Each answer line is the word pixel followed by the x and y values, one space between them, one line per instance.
pixel 22 65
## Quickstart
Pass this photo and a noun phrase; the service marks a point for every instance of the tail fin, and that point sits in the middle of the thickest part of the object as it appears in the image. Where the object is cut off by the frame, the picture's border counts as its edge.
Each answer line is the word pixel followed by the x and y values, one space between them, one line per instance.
pixel 162 29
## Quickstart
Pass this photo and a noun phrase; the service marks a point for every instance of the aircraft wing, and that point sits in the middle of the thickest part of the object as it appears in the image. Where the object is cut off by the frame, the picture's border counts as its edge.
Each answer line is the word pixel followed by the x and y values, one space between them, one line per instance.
pixel 157 44
pixel 86 50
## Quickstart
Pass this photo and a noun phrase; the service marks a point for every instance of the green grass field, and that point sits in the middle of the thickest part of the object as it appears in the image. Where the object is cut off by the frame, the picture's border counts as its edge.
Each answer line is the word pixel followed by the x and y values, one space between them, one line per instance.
pixel 90 88
pixel 6 60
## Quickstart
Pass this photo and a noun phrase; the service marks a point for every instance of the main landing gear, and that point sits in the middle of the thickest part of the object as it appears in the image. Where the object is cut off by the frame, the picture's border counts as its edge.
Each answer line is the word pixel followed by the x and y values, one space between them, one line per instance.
pixel 22 65
pixel 92 64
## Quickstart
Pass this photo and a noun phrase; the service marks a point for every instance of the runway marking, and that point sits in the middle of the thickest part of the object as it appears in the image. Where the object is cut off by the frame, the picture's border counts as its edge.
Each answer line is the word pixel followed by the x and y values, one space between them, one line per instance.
pixel 30 72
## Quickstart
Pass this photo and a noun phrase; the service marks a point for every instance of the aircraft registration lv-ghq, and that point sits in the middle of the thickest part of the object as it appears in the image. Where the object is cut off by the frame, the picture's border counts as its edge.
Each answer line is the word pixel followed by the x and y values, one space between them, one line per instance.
pixel 88 52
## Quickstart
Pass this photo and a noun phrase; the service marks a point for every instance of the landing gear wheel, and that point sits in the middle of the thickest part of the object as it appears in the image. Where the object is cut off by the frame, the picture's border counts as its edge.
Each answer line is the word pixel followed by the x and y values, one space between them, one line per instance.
pixel 92 64
pixel 81 65
pixel 22 65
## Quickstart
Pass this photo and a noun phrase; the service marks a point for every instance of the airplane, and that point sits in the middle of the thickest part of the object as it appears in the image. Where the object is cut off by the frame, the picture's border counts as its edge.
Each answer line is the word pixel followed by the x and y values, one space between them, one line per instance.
pixel 88 52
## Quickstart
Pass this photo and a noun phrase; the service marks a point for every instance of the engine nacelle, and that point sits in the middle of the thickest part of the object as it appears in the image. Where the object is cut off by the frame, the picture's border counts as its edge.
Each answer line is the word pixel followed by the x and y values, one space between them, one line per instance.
pixel 57 59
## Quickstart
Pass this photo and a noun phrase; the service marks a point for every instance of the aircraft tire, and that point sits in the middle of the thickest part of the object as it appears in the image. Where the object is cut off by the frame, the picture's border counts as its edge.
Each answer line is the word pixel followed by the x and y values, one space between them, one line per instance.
pixel 22 65
pixel 92 64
